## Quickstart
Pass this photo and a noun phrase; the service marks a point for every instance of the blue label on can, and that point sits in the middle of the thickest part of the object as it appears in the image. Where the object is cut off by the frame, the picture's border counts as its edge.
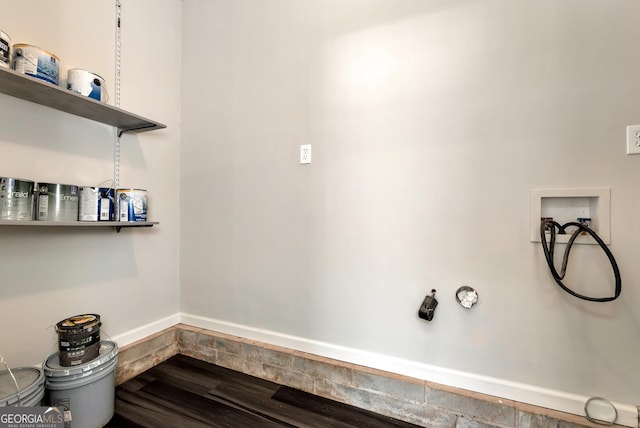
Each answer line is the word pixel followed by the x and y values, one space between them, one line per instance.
pixel 132 205
pixel 96 204
pixel 105 205
pixel 35 62
pixel 96 90
pixel 48 68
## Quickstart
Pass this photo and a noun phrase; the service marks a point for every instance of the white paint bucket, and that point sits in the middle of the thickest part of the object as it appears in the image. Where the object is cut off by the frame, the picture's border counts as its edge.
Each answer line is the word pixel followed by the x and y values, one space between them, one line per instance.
pixel 96 204
pixel 132 204
pixel 87 391
pixel 5 50
pixel 57 202
pixel 35 62
pixel 85 83
pixel 16 199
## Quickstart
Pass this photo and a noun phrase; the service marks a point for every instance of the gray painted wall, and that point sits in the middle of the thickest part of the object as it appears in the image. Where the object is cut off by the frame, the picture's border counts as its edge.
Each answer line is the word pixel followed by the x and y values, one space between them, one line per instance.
pixel 430 123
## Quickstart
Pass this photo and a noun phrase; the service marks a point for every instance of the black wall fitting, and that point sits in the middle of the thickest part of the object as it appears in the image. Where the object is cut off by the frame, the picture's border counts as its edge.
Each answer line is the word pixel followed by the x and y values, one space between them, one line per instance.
pixel 428 306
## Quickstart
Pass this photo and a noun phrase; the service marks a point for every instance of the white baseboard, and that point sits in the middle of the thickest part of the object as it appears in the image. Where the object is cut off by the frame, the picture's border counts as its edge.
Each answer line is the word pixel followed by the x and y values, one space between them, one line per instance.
pixel 146 330
pixel 524 393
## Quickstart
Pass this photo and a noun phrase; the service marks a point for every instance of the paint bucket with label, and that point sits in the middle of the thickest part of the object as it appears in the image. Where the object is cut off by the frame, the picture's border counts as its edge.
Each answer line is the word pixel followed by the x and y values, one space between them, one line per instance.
pixel 57 202
pixel 132 204
pixel 96 204
pixel 35 62
pixel 85 83
pixel 5 50
pixel 30 390
pixel 85 392
pixel 78 339
pixel 16 199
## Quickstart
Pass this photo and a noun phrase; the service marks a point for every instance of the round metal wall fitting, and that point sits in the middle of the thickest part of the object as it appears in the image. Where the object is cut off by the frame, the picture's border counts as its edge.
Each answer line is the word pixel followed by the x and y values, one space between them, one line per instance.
pixel 466 296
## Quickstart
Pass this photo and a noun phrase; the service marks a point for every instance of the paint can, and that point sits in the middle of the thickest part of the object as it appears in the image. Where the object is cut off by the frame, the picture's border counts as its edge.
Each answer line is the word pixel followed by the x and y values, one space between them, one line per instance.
pixel 5 50
pixel 30 384
pixel 85 83
pixel 96 204
pixel 35 62
pixel 57 202
pixel 16 199
pixel 132 204
pixel 78 339
pixel 85 392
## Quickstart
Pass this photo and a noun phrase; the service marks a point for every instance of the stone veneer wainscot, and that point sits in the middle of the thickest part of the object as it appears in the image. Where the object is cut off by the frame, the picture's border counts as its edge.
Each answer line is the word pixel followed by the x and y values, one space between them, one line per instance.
pixel 412 400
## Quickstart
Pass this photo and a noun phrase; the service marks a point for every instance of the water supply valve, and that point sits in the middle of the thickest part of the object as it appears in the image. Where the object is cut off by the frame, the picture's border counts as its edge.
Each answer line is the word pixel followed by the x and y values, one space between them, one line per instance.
pixel 428 306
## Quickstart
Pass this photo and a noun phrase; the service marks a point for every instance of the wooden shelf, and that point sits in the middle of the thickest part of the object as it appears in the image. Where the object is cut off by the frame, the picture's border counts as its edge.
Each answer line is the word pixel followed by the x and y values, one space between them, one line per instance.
pixel 40 92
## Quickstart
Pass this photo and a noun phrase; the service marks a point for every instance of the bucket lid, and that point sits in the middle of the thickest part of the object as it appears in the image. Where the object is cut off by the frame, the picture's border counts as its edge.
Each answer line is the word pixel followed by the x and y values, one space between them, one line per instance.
pixel 79 322
pixel 53 368
pixel 28 378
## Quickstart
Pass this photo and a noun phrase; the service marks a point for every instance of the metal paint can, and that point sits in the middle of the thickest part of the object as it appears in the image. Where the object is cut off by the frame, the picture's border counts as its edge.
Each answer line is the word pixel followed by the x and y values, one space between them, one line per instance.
pixel 35 62
pixel 16 199
pixel 96 204
pixel 78 339
pixel 132 204
pixel 5 50
pixel 85 83
pixel 57 202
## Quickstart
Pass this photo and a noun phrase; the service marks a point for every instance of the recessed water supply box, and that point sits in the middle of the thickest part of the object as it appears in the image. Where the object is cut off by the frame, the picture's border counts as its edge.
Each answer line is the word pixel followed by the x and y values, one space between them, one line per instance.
pixel 569 205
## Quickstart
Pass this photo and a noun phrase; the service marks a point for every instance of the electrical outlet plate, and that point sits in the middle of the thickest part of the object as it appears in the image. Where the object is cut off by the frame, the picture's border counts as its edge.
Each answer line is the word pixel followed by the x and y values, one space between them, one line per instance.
pixel 305 153
pixel 633 140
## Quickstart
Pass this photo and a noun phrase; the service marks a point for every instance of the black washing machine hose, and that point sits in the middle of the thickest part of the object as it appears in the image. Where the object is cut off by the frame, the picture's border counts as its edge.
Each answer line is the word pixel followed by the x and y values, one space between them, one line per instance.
pixel 549 227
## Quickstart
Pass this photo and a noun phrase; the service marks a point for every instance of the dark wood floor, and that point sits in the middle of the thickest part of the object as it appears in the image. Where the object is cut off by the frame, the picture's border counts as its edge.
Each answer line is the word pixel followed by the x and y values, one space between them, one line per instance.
pixel 184 392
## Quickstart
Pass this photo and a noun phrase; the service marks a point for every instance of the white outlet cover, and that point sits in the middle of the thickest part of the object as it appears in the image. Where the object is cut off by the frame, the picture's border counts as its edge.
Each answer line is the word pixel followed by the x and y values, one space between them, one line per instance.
pixel 305 153
pixel 633 140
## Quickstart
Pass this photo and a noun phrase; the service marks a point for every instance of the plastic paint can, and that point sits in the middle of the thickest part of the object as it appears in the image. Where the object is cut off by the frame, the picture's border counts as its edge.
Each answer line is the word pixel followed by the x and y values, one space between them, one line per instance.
pixel 5 50
pixel 57 202
pixel 85 83
pixel 35 62
pixel 78 339
pixel 132 204
pixel 96 204
pixel 30 383
pixel 16 199
pixel 86 392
